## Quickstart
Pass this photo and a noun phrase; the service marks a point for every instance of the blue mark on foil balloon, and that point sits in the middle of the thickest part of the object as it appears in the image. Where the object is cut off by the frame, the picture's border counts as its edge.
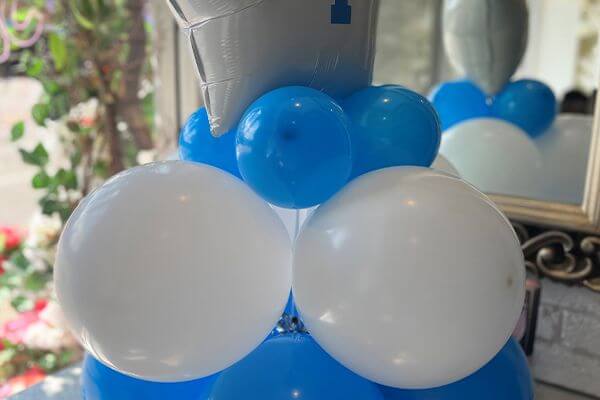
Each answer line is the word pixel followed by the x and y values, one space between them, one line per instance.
pixel 341 12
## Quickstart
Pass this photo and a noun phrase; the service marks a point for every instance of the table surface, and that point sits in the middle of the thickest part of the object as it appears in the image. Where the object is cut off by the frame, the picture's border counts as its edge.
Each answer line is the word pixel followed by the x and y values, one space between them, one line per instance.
pixel 65 386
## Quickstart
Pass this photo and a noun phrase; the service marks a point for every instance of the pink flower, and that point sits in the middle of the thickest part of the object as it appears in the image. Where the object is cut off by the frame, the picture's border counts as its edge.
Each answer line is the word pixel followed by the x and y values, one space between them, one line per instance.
pixel 15 330
pixel 12 238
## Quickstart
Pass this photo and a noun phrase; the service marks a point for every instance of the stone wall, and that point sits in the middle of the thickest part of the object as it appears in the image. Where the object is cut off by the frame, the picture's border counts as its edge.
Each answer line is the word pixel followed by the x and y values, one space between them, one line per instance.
pixel 567 351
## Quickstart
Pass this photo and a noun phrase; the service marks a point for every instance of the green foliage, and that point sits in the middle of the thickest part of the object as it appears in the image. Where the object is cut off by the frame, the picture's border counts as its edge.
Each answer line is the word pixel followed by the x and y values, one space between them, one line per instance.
pixel 58 51
pixel 40 112
pixel 17 131
pixel 38 156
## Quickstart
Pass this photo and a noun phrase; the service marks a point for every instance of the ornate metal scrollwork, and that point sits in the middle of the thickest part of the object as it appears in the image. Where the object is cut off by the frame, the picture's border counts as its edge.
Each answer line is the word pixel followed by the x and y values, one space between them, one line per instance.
pixel 573 258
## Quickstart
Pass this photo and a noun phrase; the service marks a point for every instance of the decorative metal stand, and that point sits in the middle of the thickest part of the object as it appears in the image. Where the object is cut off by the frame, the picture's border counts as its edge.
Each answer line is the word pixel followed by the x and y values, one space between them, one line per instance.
pixel 569 257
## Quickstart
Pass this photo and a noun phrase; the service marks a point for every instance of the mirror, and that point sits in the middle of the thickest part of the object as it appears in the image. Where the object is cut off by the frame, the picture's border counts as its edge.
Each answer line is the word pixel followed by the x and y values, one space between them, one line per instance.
pixel 549 177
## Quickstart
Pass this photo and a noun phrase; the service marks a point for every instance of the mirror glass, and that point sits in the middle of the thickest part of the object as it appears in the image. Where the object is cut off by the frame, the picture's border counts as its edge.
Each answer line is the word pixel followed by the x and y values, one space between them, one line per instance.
pixel 493 152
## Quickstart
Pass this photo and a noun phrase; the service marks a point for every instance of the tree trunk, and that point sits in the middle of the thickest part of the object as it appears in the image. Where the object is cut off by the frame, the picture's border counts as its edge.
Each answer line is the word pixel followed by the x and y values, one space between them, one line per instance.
pixel 113 138
pixel 130 106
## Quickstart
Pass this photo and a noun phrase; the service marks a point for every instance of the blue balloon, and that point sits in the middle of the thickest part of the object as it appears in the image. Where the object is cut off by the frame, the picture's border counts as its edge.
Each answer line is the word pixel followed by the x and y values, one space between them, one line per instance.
pixel 458 101
pixel 293 147
pixel 529 104
pixel 506 377
pixel 198 145
pixel 291 367
pixel 391 126
pixel 102 383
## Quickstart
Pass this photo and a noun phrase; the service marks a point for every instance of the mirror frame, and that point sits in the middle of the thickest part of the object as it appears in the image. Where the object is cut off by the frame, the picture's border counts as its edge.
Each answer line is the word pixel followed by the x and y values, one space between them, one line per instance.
pixel 584 217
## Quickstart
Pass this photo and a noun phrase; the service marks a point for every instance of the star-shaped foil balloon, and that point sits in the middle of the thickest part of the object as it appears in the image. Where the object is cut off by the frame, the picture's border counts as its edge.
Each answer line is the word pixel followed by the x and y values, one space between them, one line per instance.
pixel 245 48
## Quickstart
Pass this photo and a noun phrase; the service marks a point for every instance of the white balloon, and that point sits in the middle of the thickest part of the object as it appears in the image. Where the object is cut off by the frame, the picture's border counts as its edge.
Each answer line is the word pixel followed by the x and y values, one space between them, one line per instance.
pixel 173 271
pixel 409 277
pixel 565 150
pixel 486 40
pixel 245 48
pixel 441 163
pixel 495 156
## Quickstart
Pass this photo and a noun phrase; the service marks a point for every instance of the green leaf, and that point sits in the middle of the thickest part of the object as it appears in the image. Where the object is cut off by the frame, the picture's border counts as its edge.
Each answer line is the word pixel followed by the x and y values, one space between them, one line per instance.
pixel 11 279
pixel 49 362
pixel 22 304
pixel 40 180
pixel 35 67
pixel 67 178
pixel 58 50
pixel 39 156
pixel 51 87
pixel 2 242
pixel 101 169
pixel 35 281
pixel 58 105
pixel 7 355
pixel 75 159
pixel 66 357
pixel 51 206
pixel 17 131
pixel 79 17
pixel 40 112
pixel 19 261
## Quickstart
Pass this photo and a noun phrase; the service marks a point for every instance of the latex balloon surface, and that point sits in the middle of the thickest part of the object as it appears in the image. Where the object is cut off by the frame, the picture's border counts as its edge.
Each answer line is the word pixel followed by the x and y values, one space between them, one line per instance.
pixel 246 48
pixel 409 277
pixel 506 377
pixel 198 145
pixel 173 271
pixel 293 147
pixel 495 156
pixel 529 104
pixel 291 367
pixel 486 40
pixel 459 101
pixel 102 383
pixel 565 152
pixel 391 126
pixel 441 163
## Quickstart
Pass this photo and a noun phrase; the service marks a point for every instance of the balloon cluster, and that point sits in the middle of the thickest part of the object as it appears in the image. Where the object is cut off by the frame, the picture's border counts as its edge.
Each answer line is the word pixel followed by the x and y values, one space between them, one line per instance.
pixel 528 104
pixel 407 281
pixel 277 138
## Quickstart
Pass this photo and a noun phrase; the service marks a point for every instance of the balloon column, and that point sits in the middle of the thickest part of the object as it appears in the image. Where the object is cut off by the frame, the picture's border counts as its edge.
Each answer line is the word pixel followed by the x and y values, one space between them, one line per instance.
pixel 175 273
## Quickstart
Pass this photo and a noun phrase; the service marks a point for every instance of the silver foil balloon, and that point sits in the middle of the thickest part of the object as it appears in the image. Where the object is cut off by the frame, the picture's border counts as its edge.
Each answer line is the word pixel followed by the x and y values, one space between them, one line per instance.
pixel 486 39
pixel 245 48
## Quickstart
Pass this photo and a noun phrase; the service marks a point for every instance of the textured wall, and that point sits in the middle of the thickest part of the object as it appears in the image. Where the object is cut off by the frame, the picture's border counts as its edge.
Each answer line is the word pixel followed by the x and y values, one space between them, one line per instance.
pixel 567 351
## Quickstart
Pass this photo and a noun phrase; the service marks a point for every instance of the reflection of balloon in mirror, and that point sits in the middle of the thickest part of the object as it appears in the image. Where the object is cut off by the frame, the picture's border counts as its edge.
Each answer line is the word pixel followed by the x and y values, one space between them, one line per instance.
pixel 458 101
pixel 565 149
pixel 145 265
pixel 102 383
pixel 486 40
pixel 198 145
pixel 245 48
pixel 391 126
pixel 293 147
pixel 377 299
pixel 495 156
pixel 506 377
pixel 529 104
pixel 441 163
pixel 291 367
